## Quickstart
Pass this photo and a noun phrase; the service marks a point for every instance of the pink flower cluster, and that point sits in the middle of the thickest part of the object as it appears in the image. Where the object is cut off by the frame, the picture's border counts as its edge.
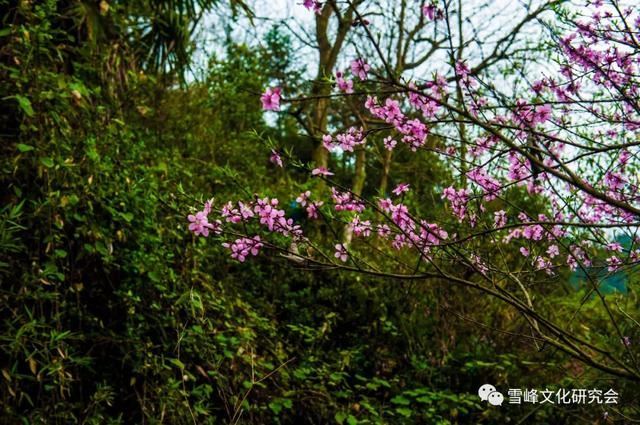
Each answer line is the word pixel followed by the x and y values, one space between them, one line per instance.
pixel 519 168
pixel 344 85
pixel 345 201
pixel 241 248
pixel 274 219
pixel 313 5
pixel 341 252
pixel 414 131
pixel 400 189
pixel 431 12
pixel 458 199
pixel 527 116
pixel 359 227
pixel 199 223
pixel 311 207
pixel 265 211
pixel 347 141
pixel 360 68
pixel 276 159
pixel 594 96
pixel 422 236
pixel 271 99
pixel 489 184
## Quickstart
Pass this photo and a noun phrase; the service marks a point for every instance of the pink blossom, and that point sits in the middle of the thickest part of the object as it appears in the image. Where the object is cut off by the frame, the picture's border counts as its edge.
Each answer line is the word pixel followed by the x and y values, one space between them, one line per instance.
pixel 553 251
pixel 383 230
pixel 359 227
pixel 199 224
pixel 534 232
pixel 271 99
pixel 431 233
pixel 519 168
pixel 312 209
pixel 345 86
pixel 231 214
pixel 321 171
pixel 524 251
pixel 572 263
pixel 613 263
pixel 207 207
pixel 347 141
pixel 345 202
pixel 245 210
pixel 541 263
pixel 275 158
pixel 614 246
pixel 385 204
pixel 359 68
pixel 500 218
pixel 458 200
pixel 341 253
pixel 401 218
pixel 429 109
pixel 490 185
pixel 269 214
pixel 462 69
pixel 303 197
pixel 527 116
pixel 614 180
pixel 624 157
pixel 327 142
pixel 389 143
pixel 241 248
pixel 429 11
pixel 479 264
pixel 312 5
pixel 400 189
pixel 542 114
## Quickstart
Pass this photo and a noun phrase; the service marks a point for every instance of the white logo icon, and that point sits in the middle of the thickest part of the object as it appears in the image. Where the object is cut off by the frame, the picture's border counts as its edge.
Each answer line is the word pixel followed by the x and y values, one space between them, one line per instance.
pixel 485 390
pixel 488 393
pixel 496 398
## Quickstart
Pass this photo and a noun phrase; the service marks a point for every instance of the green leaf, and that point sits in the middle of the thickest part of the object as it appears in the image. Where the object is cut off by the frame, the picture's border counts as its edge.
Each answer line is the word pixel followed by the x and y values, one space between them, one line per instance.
pixel 424 399
pixel 382 382
pixel 24 148
pixel 404 411
pixel 340 417
pixel 400 400
pixel 351 420
pixel 275 407
pixel 55 336
pixel 102 248
pixel 25 104
pixel 47 162
pixel 127 216
pixel 177 363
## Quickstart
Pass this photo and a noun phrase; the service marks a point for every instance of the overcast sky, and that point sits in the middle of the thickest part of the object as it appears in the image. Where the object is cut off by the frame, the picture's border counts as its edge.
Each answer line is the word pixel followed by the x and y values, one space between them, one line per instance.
pixel 489 24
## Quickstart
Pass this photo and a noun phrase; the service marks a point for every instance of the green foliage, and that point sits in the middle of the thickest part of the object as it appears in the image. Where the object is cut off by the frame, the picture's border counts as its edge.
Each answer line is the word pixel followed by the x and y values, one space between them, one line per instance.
pixel 111 312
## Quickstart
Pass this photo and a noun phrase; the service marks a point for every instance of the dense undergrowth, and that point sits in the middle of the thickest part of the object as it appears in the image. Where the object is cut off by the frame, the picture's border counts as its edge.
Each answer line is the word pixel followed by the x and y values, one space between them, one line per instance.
pixel 112 312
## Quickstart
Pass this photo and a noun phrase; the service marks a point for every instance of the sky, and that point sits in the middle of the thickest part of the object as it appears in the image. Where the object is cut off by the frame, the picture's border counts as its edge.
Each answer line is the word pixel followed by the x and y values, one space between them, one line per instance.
pixel 500 14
